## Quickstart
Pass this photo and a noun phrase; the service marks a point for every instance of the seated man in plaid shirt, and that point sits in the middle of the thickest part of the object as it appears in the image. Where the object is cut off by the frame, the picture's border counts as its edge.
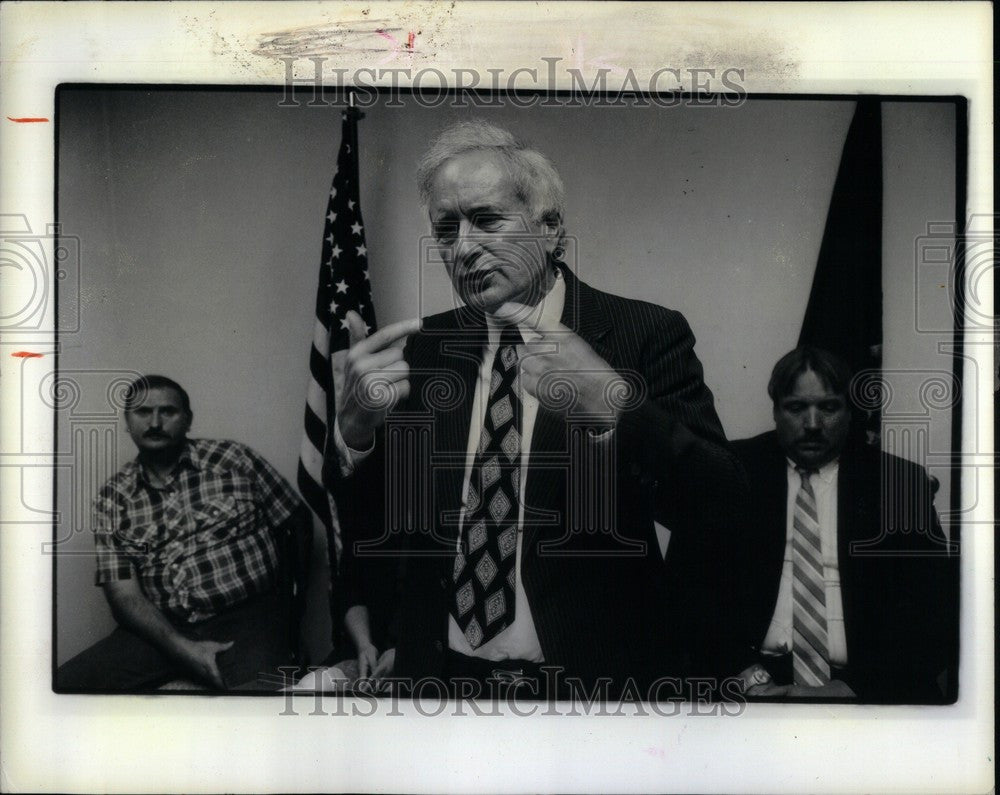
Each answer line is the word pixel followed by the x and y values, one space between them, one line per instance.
pixel 187 553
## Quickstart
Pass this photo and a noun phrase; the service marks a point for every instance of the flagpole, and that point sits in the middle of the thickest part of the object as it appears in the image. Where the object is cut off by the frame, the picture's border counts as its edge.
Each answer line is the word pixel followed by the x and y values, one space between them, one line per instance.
pixel 351 111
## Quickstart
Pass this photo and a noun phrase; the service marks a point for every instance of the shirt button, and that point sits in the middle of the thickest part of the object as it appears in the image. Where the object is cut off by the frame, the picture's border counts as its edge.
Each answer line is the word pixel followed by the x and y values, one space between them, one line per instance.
pixel 438 646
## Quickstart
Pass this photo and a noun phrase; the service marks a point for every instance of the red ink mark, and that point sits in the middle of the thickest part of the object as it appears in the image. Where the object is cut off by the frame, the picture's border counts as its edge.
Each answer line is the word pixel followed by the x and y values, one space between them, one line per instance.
pixel 410 39
pixel 385 35
pixel 26 119
pixel 26 355
pixel 658 752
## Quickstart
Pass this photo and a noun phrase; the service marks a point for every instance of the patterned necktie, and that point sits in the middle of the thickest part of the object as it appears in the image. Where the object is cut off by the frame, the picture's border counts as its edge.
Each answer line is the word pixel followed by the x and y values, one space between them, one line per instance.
pixel 809 644
pixel 484 566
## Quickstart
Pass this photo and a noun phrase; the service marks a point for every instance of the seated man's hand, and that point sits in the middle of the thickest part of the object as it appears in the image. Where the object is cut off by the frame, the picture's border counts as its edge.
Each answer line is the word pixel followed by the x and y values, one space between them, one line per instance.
pixel 754 676
pixel 199 657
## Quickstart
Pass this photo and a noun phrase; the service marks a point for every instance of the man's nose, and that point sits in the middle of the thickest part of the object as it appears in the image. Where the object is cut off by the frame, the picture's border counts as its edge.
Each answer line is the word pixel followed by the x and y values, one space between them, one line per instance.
pixel 466 242
pixel 812 419
pixel 155 420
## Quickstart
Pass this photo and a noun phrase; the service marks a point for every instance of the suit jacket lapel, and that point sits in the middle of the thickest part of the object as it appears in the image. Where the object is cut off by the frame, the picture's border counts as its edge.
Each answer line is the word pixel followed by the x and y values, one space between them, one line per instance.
pixel 545 506
pixel 774 534
pixel 847 506
pixel 460 353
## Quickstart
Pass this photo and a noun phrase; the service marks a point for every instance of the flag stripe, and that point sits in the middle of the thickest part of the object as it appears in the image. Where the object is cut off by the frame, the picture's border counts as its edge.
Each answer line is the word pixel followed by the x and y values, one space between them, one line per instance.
pixel 319 368
pixel 342 285
pixel 314 494
pixel 316 400
pixel 315 430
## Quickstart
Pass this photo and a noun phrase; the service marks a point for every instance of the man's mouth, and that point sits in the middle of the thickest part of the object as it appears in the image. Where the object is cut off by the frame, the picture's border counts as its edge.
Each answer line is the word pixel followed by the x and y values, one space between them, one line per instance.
pixel 476 279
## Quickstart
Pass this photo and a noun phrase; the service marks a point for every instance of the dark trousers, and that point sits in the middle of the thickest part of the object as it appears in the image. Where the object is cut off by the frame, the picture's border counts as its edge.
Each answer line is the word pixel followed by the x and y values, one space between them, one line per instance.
pixel 125 662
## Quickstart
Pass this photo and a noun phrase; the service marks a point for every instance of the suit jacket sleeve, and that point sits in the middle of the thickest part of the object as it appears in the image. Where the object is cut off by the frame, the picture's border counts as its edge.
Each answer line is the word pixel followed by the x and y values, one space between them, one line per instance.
pixel 672 442
pixel 368 571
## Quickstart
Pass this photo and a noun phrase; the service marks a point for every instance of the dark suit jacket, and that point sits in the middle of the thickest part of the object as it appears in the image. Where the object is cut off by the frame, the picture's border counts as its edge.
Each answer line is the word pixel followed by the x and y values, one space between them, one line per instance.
pixel 899 584
pixel 591 567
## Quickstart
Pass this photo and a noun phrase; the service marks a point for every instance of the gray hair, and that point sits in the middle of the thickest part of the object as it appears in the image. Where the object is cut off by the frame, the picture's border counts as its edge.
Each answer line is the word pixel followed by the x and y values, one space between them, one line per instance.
pixel 536 181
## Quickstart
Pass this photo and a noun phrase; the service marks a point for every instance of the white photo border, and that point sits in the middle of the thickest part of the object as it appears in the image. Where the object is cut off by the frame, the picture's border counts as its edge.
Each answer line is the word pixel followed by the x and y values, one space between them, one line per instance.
pixel 78 743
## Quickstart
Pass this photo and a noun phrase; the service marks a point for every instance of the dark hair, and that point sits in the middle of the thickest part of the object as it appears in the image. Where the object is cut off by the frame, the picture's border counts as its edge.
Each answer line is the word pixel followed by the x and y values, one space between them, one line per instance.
pixel 136 392
pixel 833 371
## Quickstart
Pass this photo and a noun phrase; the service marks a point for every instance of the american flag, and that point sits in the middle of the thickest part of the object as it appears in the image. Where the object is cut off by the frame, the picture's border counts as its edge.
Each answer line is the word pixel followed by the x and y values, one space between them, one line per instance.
pixel 343 285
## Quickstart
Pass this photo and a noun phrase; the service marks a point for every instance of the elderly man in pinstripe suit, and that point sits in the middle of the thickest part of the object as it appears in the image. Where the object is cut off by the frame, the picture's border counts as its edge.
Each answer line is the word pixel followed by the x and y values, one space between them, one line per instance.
pixel 559 423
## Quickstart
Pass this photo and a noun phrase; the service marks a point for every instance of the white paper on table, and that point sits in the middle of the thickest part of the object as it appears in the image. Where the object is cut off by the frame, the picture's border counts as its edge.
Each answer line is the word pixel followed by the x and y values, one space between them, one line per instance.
pixel 323 680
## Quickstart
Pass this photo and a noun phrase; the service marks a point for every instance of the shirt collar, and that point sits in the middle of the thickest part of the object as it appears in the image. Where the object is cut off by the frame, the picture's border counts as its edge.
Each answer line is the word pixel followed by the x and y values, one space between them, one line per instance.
pixel 549 310
pixel 827 473
pixel 189 458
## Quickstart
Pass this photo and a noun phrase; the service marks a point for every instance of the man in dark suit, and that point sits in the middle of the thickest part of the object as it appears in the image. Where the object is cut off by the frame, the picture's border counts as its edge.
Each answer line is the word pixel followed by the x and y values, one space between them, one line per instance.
pixel 851 585
pixel 516 452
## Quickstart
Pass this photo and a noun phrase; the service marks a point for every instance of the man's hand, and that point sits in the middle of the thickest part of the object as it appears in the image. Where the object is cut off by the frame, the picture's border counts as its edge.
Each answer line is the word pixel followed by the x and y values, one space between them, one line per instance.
pixel 136 613
pixel 562 370
pixel 367 660
pixel 386 663
pixel 375 379
pixel 754 676
pixel 199 657
pixel 370 681
pixel 833 689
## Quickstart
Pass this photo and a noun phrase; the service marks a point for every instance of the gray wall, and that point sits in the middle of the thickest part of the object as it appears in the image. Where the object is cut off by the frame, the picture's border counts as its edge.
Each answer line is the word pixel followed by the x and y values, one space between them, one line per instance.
pixel 200 216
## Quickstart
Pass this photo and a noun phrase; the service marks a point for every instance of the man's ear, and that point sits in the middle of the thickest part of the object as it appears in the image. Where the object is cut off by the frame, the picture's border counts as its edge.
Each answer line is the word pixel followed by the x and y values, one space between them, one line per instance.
pixel 552 230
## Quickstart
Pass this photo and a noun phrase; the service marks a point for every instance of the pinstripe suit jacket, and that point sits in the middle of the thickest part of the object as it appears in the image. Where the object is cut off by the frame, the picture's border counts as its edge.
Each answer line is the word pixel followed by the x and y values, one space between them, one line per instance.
pixel 590 565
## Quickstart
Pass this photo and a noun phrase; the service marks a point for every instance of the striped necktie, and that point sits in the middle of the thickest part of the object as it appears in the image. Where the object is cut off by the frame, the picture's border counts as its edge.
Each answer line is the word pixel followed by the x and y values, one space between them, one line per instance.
pixel 809 645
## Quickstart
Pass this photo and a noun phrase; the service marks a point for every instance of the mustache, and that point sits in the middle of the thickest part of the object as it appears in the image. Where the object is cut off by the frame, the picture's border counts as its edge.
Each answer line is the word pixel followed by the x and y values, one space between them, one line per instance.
pixel 155 435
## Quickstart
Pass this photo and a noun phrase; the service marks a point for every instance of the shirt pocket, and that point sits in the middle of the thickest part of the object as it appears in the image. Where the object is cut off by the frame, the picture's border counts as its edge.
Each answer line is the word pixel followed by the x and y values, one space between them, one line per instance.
pixel 140 539
pixel 224 516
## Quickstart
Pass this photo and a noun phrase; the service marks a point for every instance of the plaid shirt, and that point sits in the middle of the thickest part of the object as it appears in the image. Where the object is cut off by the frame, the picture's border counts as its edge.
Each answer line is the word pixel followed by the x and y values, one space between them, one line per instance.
pixel 204 541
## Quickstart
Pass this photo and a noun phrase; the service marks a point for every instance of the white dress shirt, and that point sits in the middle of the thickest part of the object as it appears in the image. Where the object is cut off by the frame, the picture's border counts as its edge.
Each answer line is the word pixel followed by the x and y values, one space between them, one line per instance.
pixel 519 641
pixel 778 640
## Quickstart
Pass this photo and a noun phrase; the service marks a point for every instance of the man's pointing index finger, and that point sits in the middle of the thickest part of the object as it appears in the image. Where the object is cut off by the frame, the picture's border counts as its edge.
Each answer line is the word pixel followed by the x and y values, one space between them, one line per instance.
pixel 386 336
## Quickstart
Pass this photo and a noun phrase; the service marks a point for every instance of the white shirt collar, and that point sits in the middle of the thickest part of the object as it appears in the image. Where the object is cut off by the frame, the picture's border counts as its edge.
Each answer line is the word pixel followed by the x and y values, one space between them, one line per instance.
pixel 549 310
pixel 827 473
